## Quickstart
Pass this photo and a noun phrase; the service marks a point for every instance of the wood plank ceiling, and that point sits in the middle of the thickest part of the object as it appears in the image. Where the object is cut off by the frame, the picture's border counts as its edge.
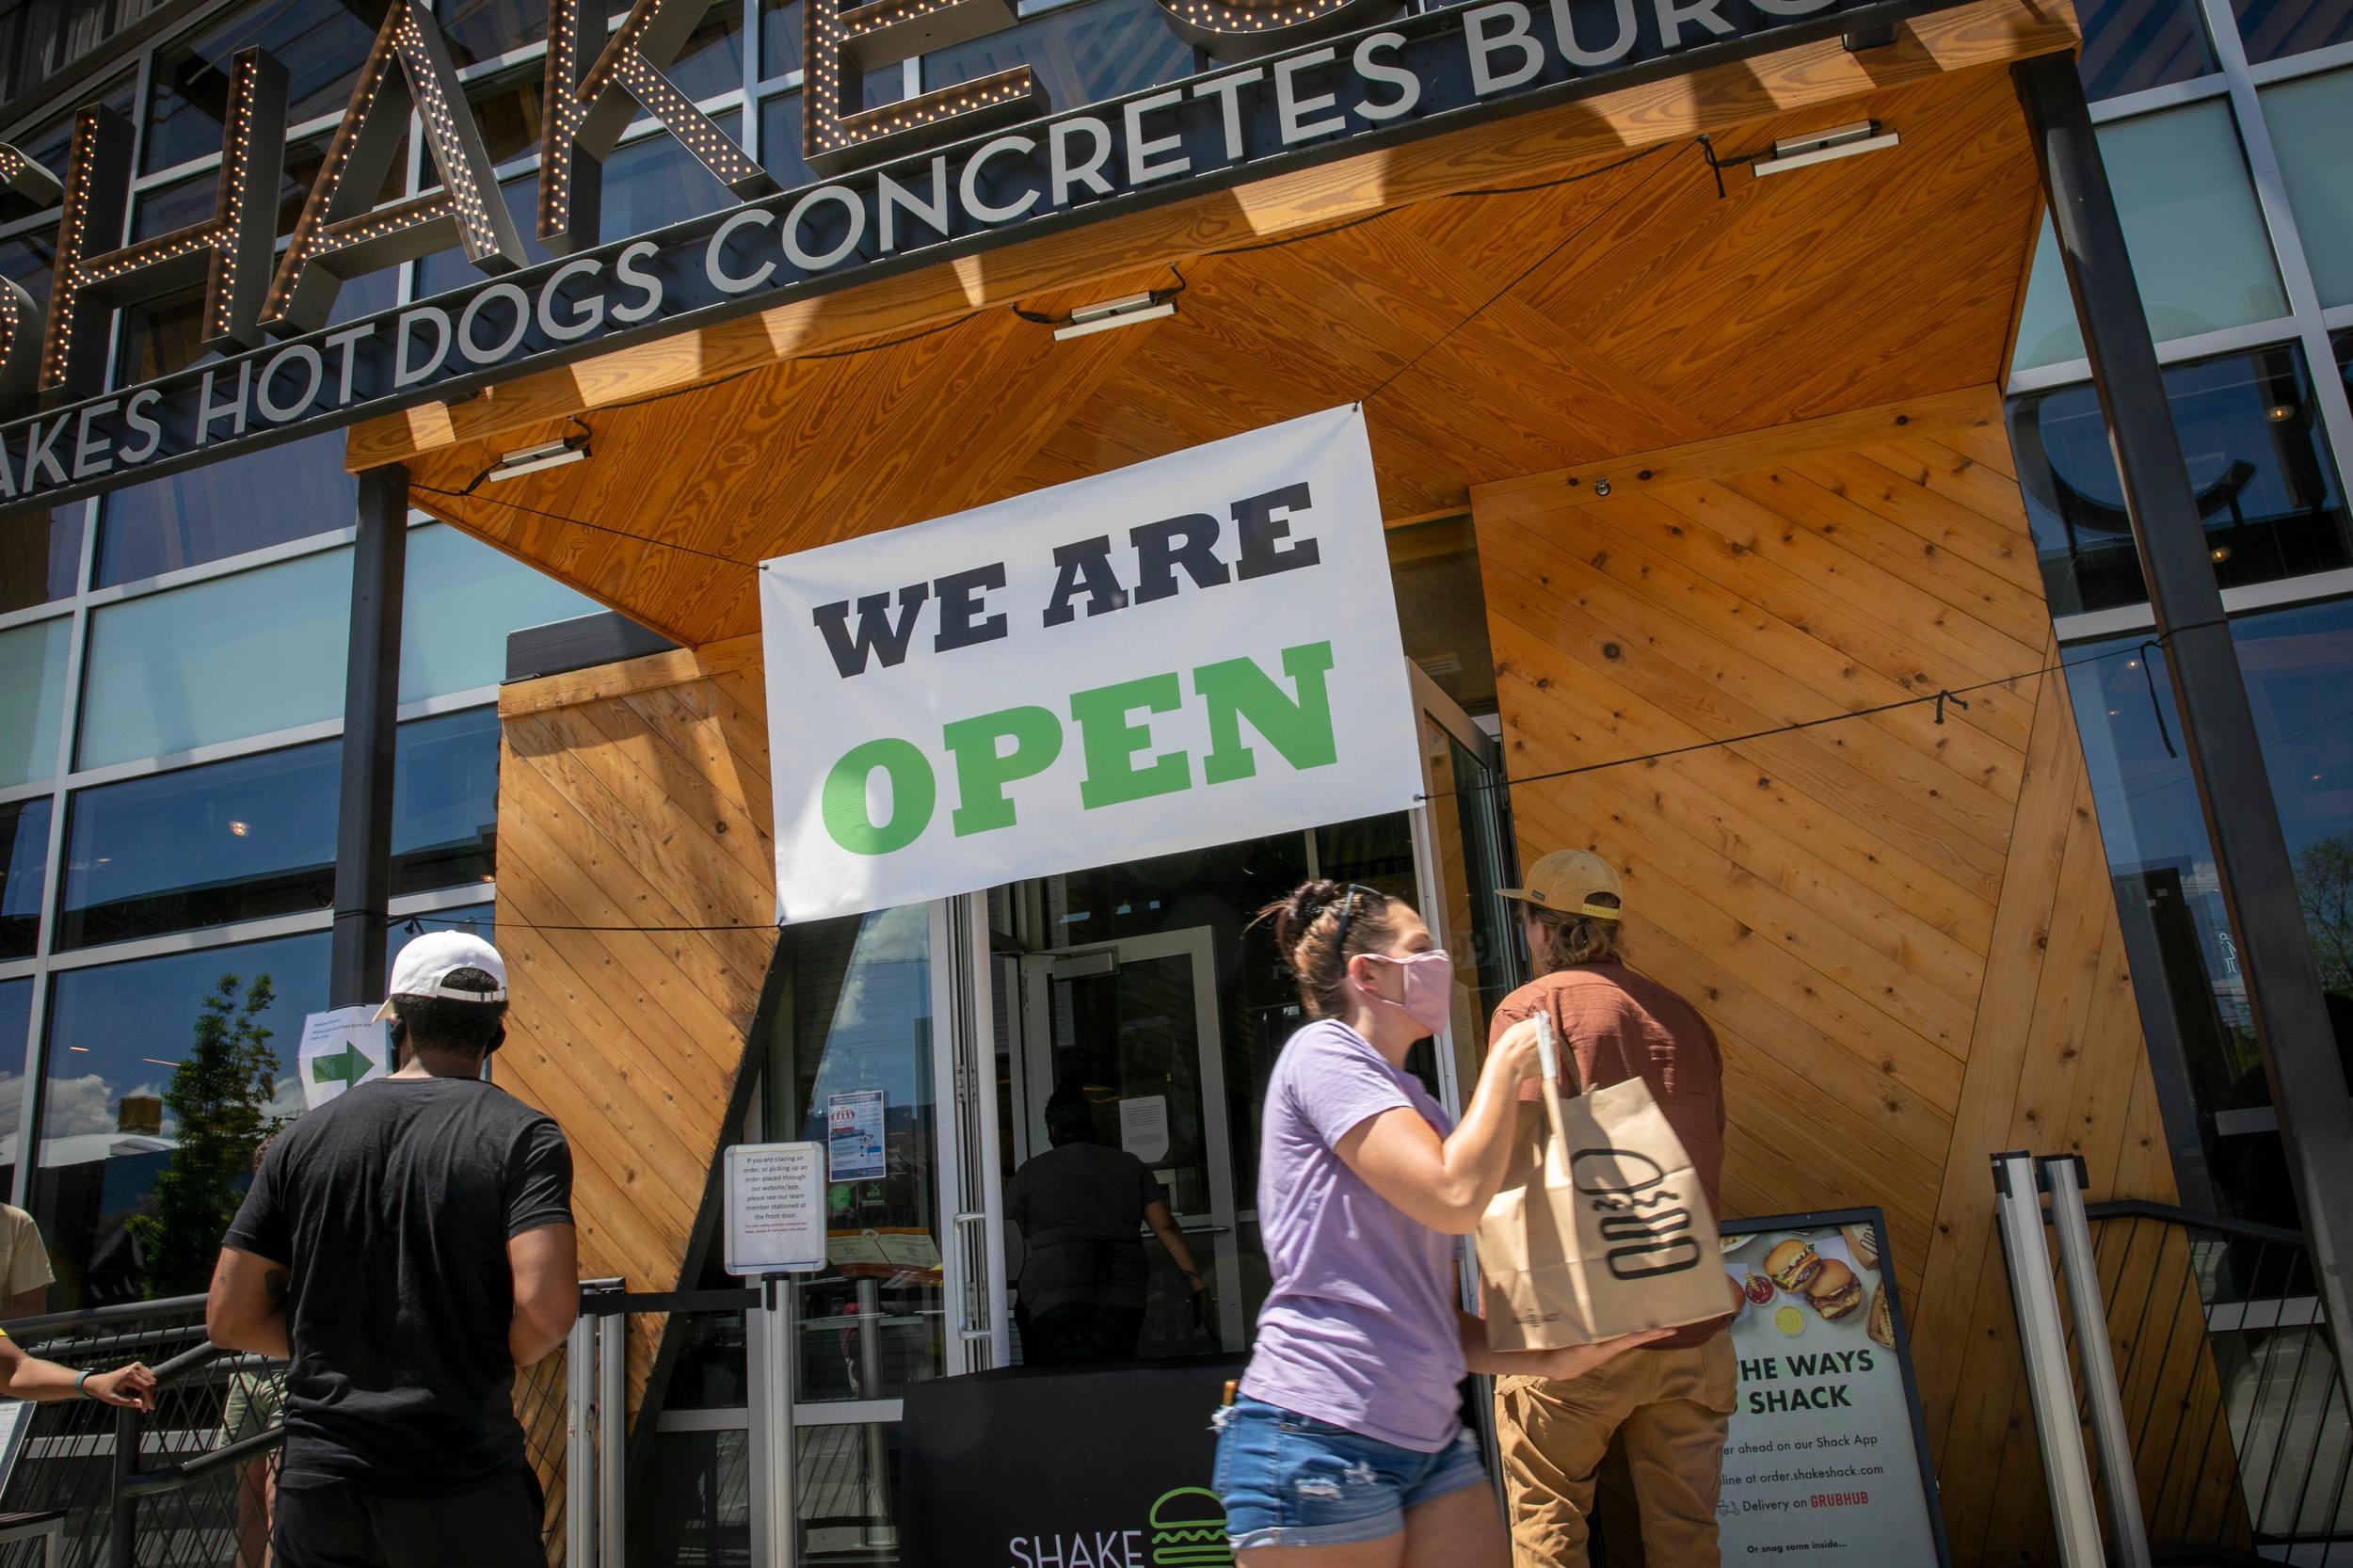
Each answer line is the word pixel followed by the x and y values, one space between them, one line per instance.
pixel 1622 306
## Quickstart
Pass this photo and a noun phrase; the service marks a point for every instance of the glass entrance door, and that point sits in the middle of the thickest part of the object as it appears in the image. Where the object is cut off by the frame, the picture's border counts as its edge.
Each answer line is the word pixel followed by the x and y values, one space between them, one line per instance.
pixel 1130 1029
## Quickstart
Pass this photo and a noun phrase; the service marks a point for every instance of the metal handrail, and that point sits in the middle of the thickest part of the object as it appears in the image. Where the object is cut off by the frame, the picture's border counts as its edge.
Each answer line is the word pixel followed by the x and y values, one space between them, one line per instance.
pixel 2193 1219
pixel 119 1312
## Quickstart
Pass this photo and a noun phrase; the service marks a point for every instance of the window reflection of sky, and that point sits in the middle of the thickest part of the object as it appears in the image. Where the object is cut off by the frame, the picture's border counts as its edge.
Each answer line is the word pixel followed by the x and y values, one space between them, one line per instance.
pixel 2298 665
pixel 884 1010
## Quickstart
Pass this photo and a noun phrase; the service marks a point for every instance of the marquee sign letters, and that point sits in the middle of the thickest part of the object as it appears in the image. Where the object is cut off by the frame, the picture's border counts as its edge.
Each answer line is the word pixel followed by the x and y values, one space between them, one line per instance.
pixel 942 174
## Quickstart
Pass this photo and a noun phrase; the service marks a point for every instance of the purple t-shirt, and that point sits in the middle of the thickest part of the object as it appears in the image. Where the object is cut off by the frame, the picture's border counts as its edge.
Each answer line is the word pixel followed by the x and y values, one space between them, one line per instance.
pixel 1359 1329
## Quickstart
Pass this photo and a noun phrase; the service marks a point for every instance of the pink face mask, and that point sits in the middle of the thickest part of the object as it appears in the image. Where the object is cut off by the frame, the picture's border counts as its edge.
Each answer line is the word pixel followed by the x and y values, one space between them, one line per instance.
pixel 1428 987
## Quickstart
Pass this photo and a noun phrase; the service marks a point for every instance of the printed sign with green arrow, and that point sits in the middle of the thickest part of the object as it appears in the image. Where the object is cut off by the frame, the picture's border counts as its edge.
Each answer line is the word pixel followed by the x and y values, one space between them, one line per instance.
pixel 340 1051
pixel 346 1068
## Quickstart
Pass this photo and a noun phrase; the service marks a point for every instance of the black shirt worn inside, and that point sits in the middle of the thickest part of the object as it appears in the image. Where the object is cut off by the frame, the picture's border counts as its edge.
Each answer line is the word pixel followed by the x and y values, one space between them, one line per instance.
pixel 392 1207
pixel 1080 1208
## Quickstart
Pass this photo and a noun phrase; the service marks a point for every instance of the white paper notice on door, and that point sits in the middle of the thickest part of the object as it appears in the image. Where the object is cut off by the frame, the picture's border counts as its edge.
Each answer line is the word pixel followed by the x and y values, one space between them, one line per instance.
pixel 1143 1127
pixel 776 1209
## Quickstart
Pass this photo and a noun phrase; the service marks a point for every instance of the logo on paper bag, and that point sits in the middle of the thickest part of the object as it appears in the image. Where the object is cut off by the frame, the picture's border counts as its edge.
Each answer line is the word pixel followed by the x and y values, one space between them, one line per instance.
pixel 1627 1188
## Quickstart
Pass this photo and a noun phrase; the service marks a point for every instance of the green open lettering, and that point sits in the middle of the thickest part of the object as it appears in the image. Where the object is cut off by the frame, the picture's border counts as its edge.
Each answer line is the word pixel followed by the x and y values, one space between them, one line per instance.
pixel 913 794
pixel 1110 743
pixel 983 770
pixel 1237 689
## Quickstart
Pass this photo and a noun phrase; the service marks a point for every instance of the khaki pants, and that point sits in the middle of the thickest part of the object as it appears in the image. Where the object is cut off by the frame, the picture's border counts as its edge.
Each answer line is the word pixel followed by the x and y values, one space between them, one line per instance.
pixel 1672 1405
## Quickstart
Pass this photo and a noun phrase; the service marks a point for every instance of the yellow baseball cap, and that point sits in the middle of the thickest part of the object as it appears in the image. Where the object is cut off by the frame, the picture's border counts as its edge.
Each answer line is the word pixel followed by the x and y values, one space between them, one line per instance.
pixel 1567 880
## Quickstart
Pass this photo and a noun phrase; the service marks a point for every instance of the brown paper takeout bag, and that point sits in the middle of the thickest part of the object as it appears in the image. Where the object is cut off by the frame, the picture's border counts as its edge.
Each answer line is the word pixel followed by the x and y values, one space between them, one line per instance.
pixel 1602 1227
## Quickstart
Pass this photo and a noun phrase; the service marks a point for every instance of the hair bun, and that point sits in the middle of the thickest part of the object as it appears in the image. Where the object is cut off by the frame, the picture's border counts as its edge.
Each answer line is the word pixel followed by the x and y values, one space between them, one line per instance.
pixel 1295 914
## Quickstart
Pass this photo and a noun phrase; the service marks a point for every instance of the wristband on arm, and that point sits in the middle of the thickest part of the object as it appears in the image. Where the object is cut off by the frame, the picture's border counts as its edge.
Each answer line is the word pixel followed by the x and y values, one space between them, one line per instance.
pixel 81 1384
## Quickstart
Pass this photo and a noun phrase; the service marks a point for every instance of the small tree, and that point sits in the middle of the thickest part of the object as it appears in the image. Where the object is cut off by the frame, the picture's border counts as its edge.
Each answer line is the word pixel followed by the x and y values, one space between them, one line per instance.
pixel 2324 880
pixel 219 1096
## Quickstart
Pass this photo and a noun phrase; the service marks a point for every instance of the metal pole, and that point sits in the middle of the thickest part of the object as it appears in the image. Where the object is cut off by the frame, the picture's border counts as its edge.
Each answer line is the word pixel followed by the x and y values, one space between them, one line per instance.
pixel 2063 1180
pixel 363 829
pixel 775 1519
pixel 2251 865
pixel 122 1546
pixel 2042 1345
pixel 580 1452
pixel 612 1438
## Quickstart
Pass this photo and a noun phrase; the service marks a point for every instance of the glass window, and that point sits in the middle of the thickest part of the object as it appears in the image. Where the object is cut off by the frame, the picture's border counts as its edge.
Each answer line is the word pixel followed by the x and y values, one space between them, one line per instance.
pixel 32 695
pixel 255 836
pixel 656 182
pixel 24 863
pixel 232 841
pixel 321 43
pixel 712 61
pixel 49 143
pixel 226 508
pixel 780 45
pixel 449 269
pixel 193 200
pixel 1080 54
pixel 2257 462
pixel 2198 242
pixel 2298 665
pixel 2130 46
pixel 305 159
pixel 485 29
pixel 2307 120
pixel 160 336
pixel 190 1052
pixel 853 1011
pixel 473 918
pixel 41 559
pixel 16 1027
pixel 780 141
pixel 217 661
pixel 445 801
pixel 463 598
pixel 509 112
pixel 2274 29
pixel 28 260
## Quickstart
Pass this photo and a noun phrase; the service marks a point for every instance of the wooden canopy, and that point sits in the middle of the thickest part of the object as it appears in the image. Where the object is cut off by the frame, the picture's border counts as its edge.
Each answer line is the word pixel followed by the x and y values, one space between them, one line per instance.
pixel 1541 291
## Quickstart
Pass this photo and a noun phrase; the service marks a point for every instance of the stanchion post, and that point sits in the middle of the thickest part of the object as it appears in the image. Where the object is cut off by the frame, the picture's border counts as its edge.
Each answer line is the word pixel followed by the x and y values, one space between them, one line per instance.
pixel 775 1521
pixel 2042 1345
pixel 2063 1180
pixel 611 1439
pixel 580 1445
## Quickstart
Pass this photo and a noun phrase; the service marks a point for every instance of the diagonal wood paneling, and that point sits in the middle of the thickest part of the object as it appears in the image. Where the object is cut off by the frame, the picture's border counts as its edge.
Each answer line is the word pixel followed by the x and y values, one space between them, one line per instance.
pixel 1903 931
pixel 635 797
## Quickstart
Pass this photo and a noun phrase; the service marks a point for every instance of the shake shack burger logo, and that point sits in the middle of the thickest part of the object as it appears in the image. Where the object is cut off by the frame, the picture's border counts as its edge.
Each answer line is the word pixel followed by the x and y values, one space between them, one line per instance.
pixel 1188 1531
pixel 1185 1528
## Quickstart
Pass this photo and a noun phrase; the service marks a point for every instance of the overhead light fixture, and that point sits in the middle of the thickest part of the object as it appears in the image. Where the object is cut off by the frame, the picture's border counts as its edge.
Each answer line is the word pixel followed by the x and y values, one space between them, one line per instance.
pixel 533 459
pixel 1125 311
pixel 1820 147
pixel 239 830
pixel 2279 412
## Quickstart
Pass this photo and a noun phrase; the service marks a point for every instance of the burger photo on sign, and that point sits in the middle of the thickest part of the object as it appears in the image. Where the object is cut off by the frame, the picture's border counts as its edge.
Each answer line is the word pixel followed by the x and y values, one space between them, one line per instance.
pixel 1820 1276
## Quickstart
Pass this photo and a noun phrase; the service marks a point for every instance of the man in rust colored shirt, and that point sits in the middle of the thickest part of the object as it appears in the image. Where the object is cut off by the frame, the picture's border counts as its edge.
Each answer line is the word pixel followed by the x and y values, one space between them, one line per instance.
pixel 1673 1399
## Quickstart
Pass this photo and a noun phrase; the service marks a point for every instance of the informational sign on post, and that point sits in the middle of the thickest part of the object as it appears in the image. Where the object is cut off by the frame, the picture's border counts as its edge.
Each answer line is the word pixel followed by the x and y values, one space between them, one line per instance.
pixel 1825 1465
pixel 853 1136
pixel 776 1197
pixel 340 1051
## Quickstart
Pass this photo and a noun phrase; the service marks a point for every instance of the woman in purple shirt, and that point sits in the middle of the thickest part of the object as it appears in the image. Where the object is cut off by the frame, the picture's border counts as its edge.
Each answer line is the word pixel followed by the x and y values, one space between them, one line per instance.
pixel 1347 1448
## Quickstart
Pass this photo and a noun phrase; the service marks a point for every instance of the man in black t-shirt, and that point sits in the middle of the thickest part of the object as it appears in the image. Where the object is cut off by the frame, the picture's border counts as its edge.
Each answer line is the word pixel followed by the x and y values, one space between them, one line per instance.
pixel 408 1245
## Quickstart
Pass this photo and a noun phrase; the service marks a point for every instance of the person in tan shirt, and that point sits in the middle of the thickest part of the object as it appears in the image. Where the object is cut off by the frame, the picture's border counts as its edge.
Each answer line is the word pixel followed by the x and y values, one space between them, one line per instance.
pixel 24 1273
pixel 1671 1400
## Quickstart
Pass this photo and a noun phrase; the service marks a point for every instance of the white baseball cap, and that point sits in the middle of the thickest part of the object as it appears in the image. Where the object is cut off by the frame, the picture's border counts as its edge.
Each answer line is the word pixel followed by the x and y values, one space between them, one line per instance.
pixel 424 966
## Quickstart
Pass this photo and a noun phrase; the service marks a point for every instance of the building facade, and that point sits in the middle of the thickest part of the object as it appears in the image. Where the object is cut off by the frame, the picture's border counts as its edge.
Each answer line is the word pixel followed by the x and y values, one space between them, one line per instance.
pixel 172 679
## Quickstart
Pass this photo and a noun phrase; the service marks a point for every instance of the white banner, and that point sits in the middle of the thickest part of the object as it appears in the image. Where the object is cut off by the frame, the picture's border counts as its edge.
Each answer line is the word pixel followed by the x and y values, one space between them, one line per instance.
pixel 1196 650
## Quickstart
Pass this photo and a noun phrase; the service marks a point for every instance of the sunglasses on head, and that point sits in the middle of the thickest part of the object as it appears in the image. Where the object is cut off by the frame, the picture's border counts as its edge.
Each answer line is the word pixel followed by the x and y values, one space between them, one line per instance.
pixel 1348 913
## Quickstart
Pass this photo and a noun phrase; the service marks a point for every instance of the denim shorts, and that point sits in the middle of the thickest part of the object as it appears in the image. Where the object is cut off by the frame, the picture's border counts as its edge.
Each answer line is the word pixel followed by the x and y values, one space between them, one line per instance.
pixel 1292 1480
